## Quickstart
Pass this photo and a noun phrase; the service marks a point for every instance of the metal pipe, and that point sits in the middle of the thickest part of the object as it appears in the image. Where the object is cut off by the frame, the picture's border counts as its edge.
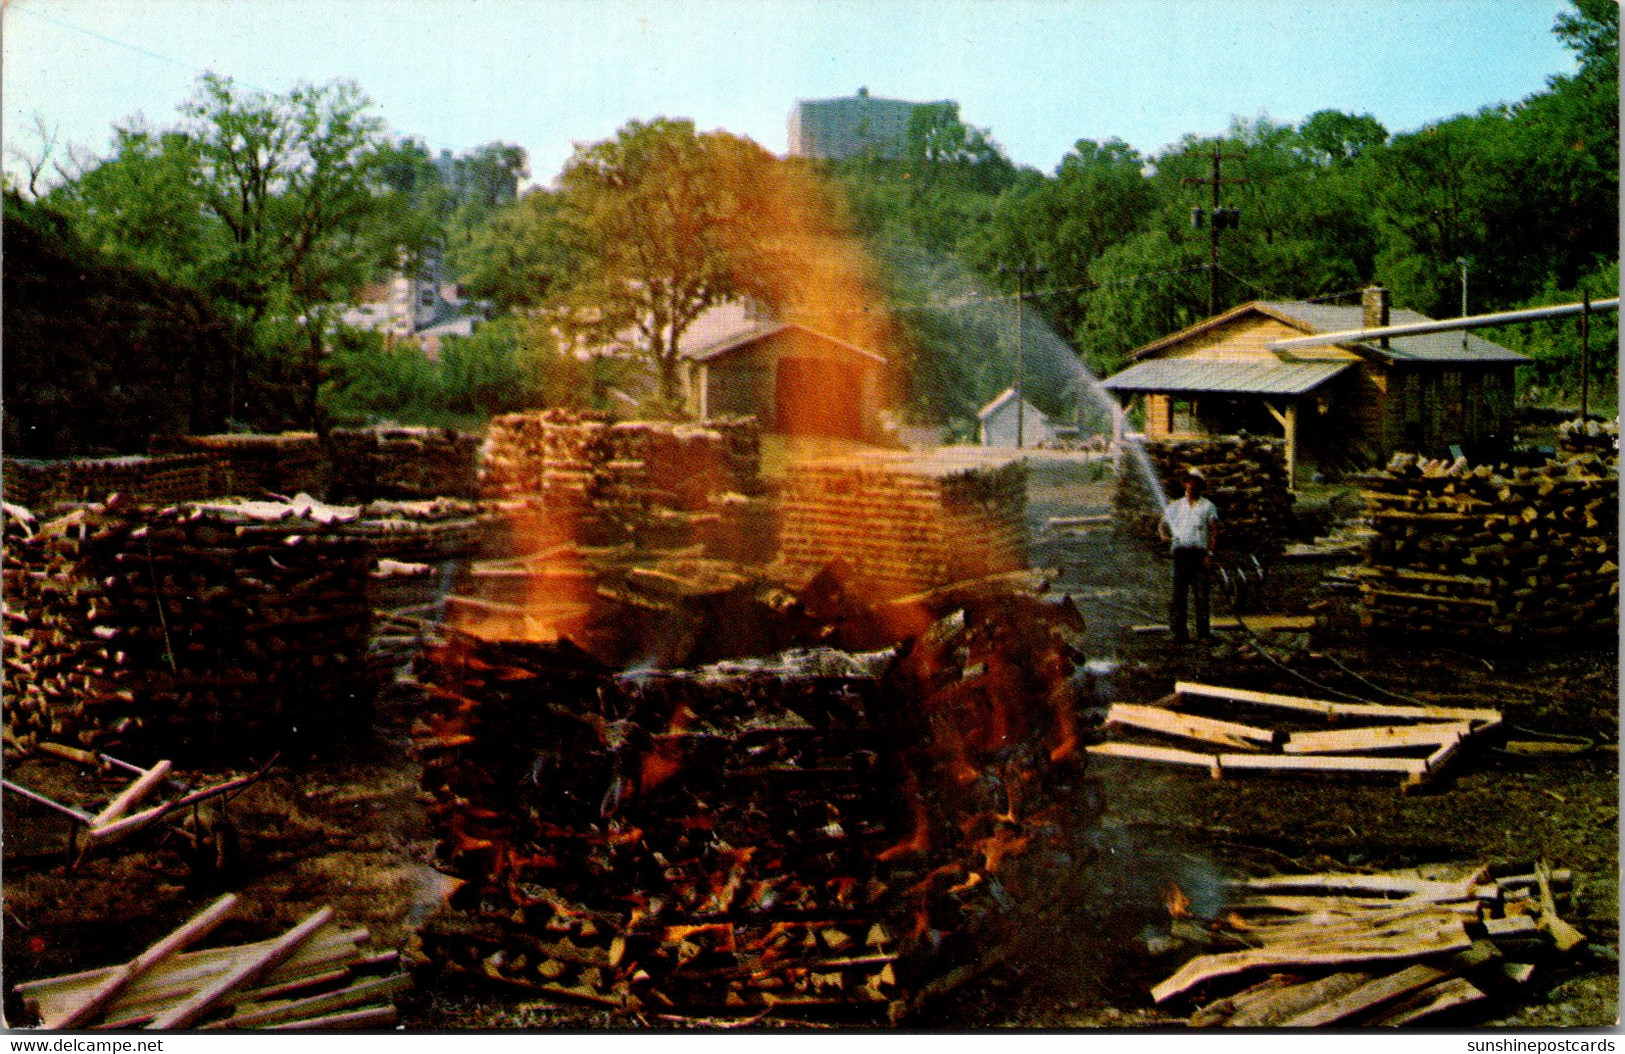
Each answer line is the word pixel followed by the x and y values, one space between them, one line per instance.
pixel 1533 314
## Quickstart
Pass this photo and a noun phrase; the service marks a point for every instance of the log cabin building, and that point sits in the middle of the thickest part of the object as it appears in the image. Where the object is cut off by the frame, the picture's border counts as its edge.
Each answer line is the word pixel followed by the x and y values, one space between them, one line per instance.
pixel 1338 406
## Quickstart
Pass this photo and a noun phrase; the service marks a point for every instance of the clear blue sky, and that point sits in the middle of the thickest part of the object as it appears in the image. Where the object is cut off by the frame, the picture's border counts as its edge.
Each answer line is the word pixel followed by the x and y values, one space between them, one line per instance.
pixel 1040 74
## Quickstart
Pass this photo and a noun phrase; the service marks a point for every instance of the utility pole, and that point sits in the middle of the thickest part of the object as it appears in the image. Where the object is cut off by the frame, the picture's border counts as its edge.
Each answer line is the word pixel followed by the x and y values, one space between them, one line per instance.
pixel 1585 356
pixel 1022 271
pixel 1218 218
pixel 1462 262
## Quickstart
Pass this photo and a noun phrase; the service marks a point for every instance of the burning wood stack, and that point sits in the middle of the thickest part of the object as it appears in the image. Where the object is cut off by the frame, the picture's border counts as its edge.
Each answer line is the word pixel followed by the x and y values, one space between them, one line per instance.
pixel 903 526
pixel 192 629
pixel 826 831
pixel 156 480
pixel 395 463
pixel 1476 551
pixel 653 483
pixel 1246 480
pixel 287 463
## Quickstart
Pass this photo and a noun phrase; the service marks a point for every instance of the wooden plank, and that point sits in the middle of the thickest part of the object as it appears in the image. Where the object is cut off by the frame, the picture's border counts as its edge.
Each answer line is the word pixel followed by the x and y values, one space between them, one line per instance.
pixel 1453 991
pixel 1319 763
pixel 241 972
pixel 1381 737
pixel 371 1017
pixel 344 999
pixel 142 786
pixel 1331 709
pixel 1371 994
pixel 1269 1012
pixel 1167 755
pixel 1405 945
pixel 121 977
pixel 1190 726
pixel 1423 889
pixel 1565 936
pixel 1256 623
pixel 1511 926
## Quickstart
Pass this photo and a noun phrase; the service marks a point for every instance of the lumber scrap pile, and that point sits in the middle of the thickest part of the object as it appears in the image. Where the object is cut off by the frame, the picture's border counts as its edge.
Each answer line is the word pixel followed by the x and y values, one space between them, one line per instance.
pixel 157 480
pixel 828 832
pixel 316 975
pixel 653 483
pixel 284 463
pixel 1476 551
pixel 1583 436
pixel 191 628
pixel 1410 742
pixel 401 463
pixel 1246 481
pixel 903 526
pixel 1363 950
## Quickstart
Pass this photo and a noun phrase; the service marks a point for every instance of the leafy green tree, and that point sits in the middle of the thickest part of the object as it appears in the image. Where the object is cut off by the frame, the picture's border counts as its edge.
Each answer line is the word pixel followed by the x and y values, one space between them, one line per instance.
pixel 663 223
pixel 513 260
pixel 1332 137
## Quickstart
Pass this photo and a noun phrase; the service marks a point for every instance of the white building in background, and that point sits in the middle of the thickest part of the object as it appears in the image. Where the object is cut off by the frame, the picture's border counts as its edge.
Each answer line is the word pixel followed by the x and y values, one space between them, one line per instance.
pixel 998 421
pixel 419 304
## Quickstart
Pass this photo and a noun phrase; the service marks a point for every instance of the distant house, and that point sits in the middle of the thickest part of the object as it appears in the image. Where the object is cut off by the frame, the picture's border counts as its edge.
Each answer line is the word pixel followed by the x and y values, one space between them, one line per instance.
pixel 1001 419
pixel 860 126
pixel 1342 404
pixel 418 303
pixel 794 380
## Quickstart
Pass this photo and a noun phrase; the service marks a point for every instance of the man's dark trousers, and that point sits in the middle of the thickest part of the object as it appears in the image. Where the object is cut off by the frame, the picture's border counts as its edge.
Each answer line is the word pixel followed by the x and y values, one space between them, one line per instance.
pixel 1190 572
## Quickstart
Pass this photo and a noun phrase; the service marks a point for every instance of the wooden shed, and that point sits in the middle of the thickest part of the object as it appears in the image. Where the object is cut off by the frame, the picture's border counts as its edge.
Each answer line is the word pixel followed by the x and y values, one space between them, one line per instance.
pixel 795 380
pixel 1342 405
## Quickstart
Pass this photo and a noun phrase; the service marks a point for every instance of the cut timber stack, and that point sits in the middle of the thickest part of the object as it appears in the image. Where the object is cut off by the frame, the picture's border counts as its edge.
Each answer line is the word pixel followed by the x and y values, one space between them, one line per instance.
pixel 396 463
pixel 193 631
pixel 160 480
pixel 1476 551
pixel 902 527
pixel 1589 437
pixel 1363 950
pixel 1246 481
pixel 286 463
pixel 434 528
pixel 1413 743
pixel 651 483
pixel 314 976
pixel 822 832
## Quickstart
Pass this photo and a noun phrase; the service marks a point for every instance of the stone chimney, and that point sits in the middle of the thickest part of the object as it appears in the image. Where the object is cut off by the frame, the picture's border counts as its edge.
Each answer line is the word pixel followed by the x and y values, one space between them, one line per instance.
pixel 1374 304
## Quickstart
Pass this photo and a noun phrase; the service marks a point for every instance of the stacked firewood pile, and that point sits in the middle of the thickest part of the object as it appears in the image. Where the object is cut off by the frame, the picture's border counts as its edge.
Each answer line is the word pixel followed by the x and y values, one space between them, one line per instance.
pixel 287 463
pixel 1353 950
pixel 316 975
pixel 1582 436
pixel 403 463
pixel 425 529
pixel 653 483
pixel 1246 481
pixel 825 831
pixel 158 480
pixel 1473 550
pixel 902 526
pixel 193 628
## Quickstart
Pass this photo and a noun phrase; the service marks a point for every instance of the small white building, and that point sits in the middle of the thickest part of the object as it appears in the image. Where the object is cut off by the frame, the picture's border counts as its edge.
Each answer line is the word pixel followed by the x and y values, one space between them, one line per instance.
pixel 999 421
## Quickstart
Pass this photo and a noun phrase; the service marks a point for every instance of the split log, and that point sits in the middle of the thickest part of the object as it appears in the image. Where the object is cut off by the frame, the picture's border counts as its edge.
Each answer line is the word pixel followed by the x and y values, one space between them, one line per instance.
pixel 243 971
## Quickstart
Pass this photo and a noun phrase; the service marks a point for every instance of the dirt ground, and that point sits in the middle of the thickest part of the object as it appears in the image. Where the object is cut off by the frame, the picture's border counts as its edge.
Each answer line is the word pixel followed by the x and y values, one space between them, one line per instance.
pixel 345 826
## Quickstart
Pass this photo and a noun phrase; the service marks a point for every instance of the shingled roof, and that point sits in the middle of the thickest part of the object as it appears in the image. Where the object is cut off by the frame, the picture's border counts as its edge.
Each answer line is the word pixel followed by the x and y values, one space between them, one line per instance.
pixel 1333 318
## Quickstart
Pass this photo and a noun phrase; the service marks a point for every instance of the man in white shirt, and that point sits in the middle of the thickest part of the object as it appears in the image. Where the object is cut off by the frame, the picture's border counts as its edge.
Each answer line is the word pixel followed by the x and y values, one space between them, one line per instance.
pixel 1191 523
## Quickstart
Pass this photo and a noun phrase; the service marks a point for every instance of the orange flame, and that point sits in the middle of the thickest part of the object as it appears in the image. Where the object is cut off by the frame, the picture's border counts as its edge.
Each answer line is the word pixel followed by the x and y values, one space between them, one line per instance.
pixel 1179 905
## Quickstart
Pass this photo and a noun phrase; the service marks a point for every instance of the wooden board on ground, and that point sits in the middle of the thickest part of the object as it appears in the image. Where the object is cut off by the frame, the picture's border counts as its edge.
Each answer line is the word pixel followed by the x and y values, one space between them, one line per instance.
pixel 1189 726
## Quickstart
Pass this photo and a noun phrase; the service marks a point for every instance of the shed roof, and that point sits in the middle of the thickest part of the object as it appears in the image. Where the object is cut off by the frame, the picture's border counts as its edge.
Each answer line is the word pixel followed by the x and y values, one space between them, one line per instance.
pixel 1334 318
pixel 706 353
pixel 1003 398
pixel 1265 377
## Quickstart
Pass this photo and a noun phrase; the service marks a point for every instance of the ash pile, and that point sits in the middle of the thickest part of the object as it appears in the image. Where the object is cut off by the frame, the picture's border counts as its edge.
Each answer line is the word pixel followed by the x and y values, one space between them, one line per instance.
pixel 843 830
pixel 185 631
pixel 1246 480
